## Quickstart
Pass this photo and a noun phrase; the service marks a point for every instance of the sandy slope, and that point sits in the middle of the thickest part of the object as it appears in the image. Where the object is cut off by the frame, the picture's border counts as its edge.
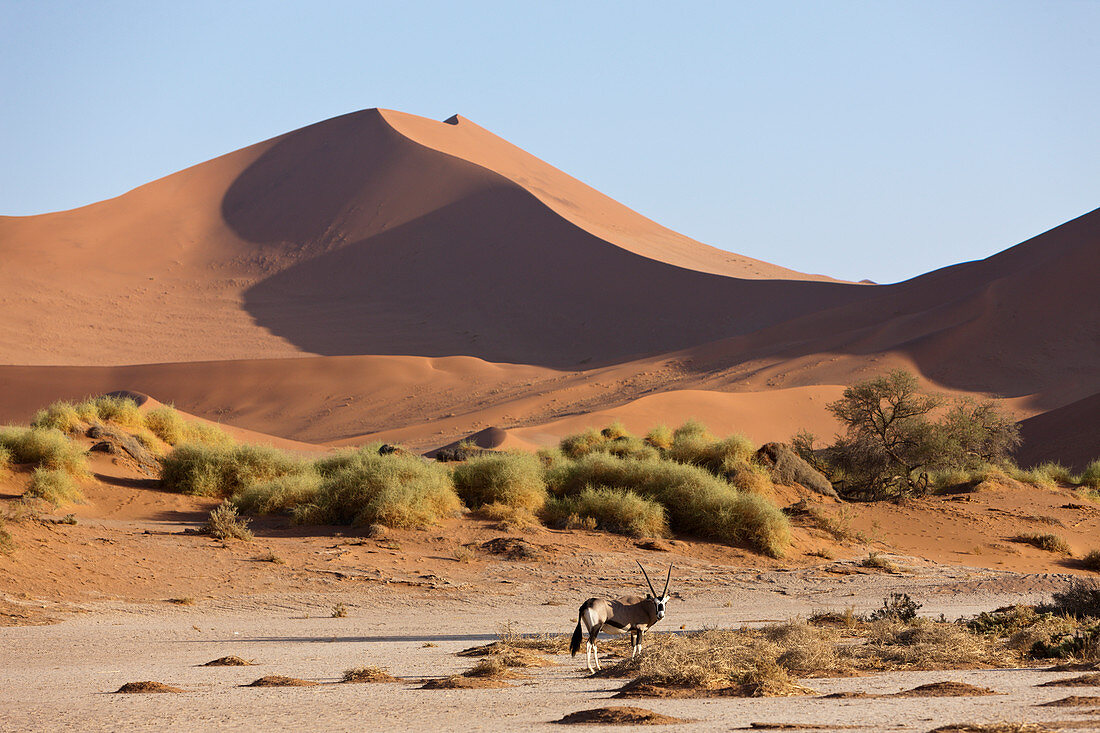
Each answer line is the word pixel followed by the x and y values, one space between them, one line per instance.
pixel 393 245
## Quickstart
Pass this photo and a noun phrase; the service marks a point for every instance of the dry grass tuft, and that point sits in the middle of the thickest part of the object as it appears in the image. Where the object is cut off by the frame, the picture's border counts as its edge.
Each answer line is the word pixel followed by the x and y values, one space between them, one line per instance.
pixel 946 689
pixel 53 485
pixel 183 601
pixel 494 667
pixel 47 448
pixel 224 524
pixel 1003 727
pixel 1091 561
pixel 458 682
pixel 610 509
pixel 339 611
pixel 1071 702
pixel 146 686
pixel 512 479
pixel 1047 542
pixel 368 674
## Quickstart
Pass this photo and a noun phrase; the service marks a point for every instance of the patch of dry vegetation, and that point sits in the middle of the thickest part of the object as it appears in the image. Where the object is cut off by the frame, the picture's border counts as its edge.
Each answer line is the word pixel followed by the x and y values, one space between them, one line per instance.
pixel 609 509
pixel 220 471
pixel 512 479
pixel 1047 542
pixel 146 686
pixel 224 524
pixel 618 715
pixel 230 661
pixel 53 485
pixel 278 680
pixel 43 447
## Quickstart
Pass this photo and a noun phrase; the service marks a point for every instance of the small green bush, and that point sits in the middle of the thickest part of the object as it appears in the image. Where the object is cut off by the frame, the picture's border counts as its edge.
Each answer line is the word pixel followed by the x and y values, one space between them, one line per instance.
pixel 280 494
pixel 396 490
pixel 44 447
pixel 168 425
pixel 224 524
pixel 60 416
pixel 660 437
pixel 581 444
pixel 122 411
pixel 1090 477
pixel 204 470
pixel 697 502
pixel 513 479
pixel 54 485
pixel 614 510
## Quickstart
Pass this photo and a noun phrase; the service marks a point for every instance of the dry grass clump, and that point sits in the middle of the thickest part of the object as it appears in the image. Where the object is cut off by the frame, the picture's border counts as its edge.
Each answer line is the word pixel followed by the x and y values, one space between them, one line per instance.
pixel 876 560
pixel 696 501
pixel 280 494
pixel 509 518
pixel 70 418
pixel 660 437
pixel 926 644
pixel 1085 680
pixel 1081 599
pixel 613 440
pixel 1047 542
pixel 146 686
pixel 368 674
pixel 168 425
pixel 224 524
pixel 219 471
pixel 512 479
pixel 610 509
pixel 1090 477
pixel 1091 561
pixel 7 542
pixel 494 667
pixel 53 485
pixel 394 490
pixel 45 448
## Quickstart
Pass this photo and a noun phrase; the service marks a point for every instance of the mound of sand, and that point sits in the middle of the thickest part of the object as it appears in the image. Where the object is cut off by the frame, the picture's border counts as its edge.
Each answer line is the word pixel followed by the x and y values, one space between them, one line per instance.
pixel 146 686
pixel 230 661
pixel 278 680
pixel 618 715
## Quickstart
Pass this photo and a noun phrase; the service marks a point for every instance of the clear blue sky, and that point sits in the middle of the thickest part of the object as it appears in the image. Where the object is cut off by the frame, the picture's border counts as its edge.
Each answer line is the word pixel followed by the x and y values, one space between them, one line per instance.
pixel 859 139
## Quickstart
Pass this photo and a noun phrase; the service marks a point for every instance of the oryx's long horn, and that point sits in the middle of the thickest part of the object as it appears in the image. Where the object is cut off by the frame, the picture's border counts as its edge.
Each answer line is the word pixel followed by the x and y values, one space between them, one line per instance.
pixel 667 578
pixel 651 589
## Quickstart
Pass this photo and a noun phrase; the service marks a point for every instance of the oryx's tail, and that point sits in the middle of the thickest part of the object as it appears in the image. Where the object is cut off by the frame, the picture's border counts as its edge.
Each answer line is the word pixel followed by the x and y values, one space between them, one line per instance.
pixel 575 642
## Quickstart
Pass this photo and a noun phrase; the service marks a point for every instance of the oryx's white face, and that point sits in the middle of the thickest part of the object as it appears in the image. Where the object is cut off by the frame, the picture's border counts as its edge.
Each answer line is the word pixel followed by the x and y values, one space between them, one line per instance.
pixel 660 603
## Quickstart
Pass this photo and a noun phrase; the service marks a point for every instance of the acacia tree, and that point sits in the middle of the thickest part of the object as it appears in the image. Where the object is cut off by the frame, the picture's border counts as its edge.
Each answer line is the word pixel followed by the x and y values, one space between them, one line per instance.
pixel 892 441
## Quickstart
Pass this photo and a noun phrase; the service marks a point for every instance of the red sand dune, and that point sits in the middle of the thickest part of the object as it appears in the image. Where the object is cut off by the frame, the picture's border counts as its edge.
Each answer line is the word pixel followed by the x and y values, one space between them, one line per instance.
pixel 422 264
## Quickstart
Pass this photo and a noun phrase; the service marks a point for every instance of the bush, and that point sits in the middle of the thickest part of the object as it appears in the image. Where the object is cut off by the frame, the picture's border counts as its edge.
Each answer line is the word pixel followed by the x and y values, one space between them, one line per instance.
pixel 59 416
pixel 897 607
pixel 54 485
pixel 167 424
pixel 892 444
pixel 513 479
pixel 581 444
pixel 203 470
pixel 5 459
pixel 696 501
pixel 395 490
pixel 122 411
pixel 224 524
pixel 613 440
pixel 659 437
pixel 1091 561
pixel 1048 542
pixel 612 510
pixel 45 448
pixel 1090 477
pixel 280 494
pixel 1081 598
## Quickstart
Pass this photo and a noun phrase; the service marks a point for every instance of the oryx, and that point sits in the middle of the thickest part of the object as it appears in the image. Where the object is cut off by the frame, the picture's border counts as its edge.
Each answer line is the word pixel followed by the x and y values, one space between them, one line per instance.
pixel 633 613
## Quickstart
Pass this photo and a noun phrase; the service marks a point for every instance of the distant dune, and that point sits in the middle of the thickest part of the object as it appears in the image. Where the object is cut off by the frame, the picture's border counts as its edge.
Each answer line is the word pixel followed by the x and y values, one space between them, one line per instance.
pixel 384 275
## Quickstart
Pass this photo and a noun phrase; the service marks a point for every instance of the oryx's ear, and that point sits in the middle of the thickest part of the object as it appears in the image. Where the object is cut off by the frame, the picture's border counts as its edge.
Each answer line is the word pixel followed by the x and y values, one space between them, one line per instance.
pixel 651 588
pixel 667 578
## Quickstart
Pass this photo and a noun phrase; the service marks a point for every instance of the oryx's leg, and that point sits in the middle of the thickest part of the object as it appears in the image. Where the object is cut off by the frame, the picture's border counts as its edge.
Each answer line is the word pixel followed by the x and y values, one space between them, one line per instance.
pixel 593 634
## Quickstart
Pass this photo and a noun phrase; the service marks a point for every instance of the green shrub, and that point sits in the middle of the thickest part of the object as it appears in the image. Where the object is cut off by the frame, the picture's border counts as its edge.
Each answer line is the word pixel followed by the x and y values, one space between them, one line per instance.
pixel 696 447
pixel 397 490
pixel 280 494
pixel 54 485
pixel 581 444
pixel 697 502
pixel 513 479
pixel 1090 477
pixel 613 440
pixel 122 411
pixel 5 459
pixel 60 416
pixel 692 431
pixel 45 448
pixel 613 510
pixel 204 470
pixel 615 431
pixel 168 424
